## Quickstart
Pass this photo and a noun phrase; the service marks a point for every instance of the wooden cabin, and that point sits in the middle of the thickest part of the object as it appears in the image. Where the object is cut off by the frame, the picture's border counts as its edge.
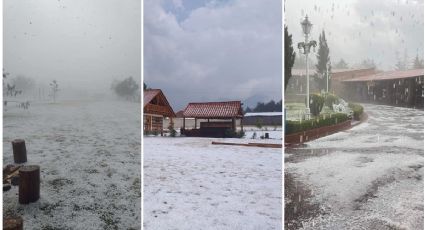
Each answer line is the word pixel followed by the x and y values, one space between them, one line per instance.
pixel 215 118
pixel 155 109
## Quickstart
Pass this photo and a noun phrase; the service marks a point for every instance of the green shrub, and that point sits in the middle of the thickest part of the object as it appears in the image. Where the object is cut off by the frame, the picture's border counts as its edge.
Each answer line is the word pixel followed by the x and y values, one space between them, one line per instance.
pixel 316 104
pixel 319 121
pixel 173 132
pixel 357 110
pixel 331 99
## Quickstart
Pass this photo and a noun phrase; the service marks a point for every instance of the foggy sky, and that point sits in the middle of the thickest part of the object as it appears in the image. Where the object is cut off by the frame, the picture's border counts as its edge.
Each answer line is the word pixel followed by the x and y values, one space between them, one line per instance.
pixel 80 43
pixel 213 50
pixel 360 29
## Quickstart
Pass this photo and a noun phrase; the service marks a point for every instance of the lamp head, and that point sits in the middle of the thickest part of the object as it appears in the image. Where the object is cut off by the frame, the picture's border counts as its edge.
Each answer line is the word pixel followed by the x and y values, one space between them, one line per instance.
pixel 306 25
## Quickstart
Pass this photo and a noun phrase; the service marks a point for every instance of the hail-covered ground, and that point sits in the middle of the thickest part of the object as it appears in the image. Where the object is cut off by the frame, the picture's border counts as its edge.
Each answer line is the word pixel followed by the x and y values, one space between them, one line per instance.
pixel 368 177
pixel 89 156
pixel 191 184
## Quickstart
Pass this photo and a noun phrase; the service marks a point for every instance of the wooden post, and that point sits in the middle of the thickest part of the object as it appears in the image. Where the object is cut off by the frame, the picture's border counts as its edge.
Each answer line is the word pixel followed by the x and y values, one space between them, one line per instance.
pixel 13 223
pixel 162 126
pixel 195 123
pixel 19 151
pixel 29 184
pixel 233 124
pixel 184 122
pixel 241 124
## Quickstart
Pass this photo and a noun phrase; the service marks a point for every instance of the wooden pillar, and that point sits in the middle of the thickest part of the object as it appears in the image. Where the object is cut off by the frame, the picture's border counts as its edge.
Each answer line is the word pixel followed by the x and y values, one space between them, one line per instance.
pixel 162 126
pixel 241 124
pixel 13 223
pixel 233 124
pixel 184 122
pixel 29 184
pixel 195 123
pixel 19 151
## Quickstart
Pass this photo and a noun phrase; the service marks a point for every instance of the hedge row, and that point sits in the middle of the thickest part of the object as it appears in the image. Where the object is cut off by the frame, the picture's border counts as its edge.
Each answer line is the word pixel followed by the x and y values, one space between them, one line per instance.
pixel 357 110
pixel 320 121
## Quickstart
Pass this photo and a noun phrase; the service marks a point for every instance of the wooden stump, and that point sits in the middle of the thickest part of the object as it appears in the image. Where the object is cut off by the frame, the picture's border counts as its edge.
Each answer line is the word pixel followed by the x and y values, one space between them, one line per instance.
pixel 29 184
pixel 19 151
pixel 13 223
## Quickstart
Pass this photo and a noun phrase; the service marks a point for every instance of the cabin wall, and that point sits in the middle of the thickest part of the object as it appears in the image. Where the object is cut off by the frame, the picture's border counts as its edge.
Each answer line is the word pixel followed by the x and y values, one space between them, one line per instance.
pixel 190 122
pixel 407 92
pixel 153 122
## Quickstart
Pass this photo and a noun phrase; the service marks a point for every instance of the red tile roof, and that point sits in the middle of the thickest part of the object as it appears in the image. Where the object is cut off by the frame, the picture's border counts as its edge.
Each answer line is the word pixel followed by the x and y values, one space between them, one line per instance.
pixel 397 74
pixel 224 110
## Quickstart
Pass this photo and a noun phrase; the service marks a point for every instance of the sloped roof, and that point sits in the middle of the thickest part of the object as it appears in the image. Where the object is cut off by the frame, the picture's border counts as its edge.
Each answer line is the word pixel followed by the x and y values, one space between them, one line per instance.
pixel 226 109
pixel 149 95
pixel 263 114
pixel 334 72
pixel 397 74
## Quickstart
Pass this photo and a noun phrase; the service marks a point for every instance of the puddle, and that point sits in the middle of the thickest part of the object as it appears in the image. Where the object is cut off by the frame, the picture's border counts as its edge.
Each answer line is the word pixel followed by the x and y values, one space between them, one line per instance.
pixel 298 206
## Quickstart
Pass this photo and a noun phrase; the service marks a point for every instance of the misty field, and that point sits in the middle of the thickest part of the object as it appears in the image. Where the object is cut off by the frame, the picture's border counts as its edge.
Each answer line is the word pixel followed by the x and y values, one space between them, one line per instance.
pixel 89 156
pixel 191 184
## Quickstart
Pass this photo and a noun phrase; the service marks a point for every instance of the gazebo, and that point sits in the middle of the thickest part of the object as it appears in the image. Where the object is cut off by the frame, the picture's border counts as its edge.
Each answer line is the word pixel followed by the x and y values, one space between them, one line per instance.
pixel 216 118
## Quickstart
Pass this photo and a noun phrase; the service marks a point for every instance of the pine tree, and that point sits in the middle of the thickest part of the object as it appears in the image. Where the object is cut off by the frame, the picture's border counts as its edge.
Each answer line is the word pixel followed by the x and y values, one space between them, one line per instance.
pixel 323 60
pixel 289 56
pixel 418 63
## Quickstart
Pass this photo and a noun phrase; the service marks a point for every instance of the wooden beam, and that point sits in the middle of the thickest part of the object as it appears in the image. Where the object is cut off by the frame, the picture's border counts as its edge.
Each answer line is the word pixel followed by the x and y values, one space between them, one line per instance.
pixel 262 145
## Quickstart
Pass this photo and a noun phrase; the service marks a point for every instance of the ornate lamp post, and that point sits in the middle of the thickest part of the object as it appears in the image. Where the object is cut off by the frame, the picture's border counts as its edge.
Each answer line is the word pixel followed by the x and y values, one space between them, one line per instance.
pixel 304 47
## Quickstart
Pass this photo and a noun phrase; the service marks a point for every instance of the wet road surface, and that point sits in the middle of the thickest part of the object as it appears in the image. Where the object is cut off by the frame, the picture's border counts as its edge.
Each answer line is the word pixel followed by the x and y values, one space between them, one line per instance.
pixel 368 177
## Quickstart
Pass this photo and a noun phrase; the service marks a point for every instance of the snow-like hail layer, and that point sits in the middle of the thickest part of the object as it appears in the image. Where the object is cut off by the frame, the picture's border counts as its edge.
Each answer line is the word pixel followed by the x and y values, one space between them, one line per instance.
pixel 369 177
pixel 89 156
pixel 191 184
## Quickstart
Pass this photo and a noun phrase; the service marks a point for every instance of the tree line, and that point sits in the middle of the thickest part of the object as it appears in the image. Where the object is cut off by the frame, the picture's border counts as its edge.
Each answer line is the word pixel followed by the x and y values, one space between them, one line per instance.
pixel 270 106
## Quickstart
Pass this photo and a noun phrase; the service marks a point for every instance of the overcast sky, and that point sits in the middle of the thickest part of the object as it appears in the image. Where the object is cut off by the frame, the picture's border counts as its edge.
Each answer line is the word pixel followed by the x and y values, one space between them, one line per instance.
pixel 81 43
pixel 360 29
pixel 200 50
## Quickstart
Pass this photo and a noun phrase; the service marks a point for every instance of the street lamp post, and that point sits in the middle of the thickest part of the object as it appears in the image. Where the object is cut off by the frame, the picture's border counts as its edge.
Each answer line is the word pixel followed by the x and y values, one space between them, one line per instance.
pixel 304 47
pixel 327 77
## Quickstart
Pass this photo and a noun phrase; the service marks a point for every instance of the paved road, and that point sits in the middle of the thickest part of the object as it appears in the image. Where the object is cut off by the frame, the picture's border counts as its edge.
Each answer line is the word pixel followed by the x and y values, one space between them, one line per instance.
pixel 368 177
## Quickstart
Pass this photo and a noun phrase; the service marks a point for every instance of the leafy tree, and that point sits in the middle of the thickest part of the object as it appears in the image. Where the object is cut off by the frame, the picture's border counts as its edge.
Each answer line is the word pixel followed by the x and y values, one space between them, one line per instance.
pixel 24 83
pixel 341 65
pixel 127 88
pixel 289 56
pixel 323 61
